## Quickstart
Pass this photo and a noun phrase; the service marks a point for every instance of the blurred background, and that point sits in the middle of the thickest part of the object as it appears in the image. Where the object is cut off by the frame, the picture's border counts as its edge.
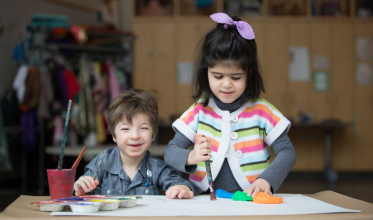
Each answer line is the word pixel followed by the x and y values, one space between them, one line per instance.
pixel 316 60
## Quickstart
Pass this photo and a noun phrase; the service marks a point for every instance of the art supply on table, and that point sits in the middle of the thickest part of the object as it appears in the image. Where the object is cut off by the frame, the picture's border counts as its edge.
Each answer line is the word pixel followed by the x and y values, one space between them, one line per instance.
pixel 242 196
pixel 107 204
pixel 267 199
pixel 61 183
pixel 69 199
pixel 127 202
pixel 60 159
pixel 99 164
pixel 209 176
pixel 223 194
pixel 94 196
pixel 85 207
pixel 77 161
pixel 50 206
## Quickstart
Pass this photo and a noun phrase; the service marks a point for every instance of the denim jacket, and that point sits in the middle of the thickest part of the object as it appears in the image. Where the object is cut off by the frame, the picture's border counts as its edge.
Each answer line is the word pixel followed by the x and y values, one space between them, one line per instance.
pixel 153 174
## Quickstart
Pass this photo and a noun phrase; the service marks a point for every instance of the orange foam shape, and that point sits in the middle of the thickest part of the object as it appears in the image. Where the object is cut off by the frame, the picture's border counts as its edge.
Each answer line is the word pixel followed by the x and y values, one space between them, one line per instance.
pixel 267 199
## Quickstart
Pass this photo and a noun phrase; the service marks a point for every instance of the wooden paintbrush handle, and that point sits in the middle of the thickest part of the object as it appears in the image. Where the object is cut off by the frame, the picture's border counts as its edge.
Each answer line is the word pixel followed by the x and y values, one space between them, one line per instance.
pixel 77 161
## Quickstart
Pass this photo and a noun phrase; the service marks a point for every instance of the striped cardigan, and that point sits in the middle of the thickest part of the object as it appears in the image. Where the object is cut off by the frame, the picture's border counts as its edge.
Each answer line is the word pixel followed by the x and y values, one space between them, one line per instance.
pixel 243 137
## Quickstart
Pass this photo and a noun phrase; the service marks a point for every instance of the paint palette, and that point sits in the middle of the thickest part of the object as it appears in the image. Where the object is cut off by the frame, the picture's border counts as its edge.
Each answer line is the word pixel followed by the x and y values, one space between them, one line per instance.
pixel 94 196
pixel 88 203
pixel 107 204
pixel 70 199
pixel 85 207
pixel 127 201
pixel 50 206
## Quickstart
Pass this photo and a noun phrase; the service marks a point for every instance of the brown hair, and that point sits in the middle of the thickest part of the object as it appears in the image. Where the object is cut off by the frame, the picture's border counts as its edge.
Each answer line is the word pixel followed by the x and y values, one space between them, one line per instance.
pixel 130 103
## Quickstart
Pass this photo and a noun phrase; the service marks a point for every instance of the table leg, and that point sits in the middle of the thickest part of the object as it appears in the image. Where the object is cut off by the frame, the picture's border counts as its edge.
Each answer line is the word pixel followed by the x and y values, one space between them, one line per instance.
pixel 330 174
pixel 41 158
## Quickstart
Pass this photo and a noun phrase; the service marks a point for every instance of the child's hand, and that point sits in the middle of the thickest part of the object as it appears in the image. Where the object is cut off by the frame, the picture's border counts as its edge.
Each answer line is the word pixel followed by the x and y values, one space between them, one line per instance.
pixel 260 185
pixel 200 152
pixel 181 191
pixel 84 185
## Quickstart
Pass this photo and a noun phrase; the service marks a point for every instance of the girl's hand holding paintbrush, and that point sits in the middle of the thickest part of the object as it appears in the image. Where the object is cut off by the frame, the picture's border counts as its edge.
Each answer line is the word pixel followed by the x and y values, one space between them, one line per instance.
pixel 201 151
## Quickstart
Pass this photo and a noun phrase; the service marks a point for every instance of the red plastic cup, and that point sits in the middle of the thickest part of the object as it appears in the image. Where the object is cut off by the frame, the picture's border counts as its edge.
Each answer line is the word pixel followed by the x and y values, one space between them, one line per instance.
pixel 61 183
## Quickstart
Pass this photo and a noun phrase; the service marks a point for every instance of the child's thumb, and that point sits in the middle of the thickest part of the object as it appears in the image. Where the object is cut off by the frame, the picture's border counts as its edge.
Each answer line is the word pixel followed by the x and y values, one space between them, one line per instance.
pixel 97 182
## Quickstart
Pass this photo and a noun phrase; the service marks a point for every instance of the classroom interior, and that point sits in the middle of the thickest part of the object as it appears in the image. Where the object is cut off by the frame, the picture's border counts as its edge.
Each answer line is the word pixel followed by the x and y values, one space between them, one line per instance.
pixel 316 60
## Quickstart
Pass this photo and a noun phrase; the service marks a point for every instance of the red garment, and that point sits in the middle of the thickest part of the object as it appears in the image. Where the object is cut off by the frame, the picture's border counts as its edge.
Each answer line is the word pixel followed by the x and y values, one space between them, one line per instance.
pixel 71 83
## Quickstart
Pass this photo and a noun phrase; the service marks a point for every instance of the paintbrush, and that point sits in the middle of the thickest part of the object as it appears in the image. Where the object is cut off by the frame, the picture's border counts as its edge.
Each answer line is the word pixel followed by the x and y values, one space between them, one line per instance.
pixel 99 164
pixel 60 159
pixel 209 176
pixel 77 161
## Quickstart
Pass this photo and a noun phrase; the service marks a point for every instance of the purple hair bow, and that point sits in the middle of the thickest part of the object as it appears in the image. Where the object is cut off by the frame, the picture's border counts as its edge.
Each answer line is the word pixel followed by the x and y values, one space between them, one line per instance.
pixel 245 30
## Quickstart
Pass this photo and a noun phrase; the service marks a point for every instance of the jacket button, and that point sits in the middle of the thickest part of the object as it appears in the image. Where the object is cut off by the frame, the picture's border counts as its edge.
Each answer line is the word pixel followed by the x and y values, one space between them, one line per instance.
pixel 238 153
pixel 234 135
pixel 108 191
pixel 234 119
pixel 146 191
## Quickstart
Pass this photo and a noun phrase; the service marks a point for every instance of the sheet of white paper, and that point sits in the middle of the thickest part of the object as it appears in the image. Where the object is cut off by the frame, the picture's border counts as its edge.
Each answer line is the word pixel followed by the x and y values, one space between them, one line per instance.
pixel 299 65
pixel 364 73
pixel 364 48
pixel 320 62
pixel 294 204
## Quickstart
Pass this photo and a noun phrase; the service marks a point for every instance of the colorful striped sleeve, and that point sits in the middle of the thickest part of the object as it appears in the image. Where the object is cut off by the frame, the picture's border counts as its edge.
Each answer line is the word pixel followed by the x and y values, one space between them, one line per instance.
pixel 187 124
pixel 275 122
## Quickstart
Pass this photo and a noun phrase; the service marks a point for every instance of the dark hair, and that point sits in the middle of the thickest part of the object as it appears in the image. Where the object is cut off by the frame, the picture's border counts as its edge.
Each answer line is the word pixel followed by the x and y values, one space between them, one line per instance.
pixel 222 44
pixel 130 103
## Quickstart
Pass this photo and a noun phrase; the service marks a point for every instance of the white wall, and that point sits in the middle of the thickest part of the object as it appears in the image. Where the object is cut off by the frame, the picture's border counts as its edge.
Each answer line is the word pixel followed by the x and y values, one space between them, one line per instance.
pixel 18 13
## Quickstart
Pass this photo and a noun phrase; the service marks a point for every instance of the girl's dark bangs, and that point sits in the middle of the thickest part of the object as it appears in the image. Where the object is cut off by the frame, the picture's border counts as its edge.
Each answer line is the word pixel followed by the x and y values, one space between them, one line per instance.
pixel 226 46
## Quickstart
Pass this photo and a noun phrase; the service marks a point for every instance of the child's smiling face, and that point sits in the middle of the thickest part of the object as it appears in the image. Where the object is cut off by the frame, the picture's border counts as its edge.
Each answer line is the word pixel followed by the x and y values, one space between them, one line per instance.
pixel 134 138
pixel 227 82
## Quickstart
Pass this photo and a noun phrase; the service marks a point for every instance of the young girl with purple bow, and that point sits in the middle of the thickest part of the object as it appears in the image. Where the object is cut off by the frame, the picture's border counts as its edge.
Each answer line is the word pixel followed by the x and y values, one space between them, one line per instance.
pixel 229 124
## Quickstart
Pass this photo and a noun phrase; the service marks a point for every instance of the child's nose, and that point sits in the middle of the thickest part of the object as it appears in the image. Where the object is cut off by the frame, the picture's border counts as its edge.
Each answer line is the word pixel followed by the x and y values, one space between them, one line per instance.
pixel 227 83
pixel 135 134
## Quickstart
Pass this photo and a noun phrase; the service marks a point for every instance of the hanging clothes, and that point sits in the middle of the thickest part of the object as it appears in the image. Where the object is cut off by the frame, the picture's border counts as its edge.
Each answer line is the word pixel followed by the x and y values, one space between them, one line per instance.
pixel 5 164
pixel 99 88
pixel 100 128
pixel 63 87
pixel 71 83
pixel 29 136
pixel 46 94
pixel 32 92
pixel 114 86
pixel 19 83
pixel 86 117
pixel 58 130
pixel 99 101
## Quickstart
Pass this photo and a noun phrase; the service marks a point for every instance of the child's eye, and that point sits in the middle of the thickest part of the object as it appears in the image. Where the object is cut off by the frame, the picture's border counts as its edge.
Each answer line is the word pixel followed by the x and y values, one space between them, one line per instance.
pixel 124 129
pixel 218 77
pixel 145 128
pixel 236 78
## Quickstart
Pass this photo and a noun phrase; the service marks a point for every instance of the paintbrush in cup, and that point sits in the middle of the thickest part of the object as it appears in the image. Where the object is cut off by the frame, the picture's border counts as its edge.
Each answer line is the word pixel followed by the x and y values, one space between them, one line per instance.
pixel 77 161
pixel 99 164
pixel 60 159
pixel 209 176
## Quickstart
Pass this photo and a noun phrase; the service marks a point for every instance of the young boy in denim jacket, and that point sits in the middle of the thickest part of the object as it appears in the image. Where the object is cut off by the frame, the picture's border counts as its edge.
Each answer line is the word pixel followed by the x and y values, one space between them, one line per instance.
pixel 128 168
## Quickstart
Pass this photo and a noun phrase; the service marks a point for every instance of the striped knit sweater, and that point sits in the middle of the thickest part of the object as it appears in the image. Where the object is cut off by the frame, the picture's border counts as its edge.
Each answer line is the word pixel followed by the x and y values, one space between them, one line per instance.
pixel 243 136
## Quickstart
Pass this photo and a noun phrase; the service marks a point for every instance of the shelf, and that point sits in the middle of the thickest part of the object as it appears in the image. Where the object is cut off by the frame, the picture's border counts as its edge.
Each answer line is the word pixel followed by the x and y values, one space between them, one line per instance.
pixel 278 9
pixel 83 48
